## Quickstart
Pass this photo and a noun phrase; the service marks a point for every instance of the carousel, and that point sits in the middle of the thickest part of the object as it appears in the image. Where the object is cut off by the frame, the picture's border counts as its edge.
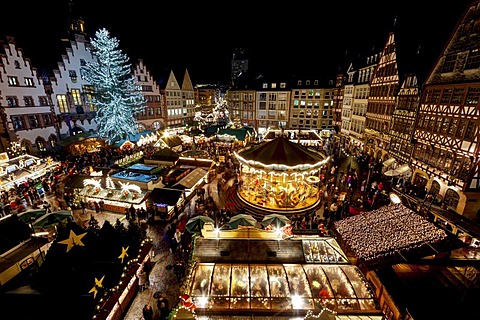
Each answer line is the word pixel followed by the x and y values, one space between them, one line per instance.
pixel 280 175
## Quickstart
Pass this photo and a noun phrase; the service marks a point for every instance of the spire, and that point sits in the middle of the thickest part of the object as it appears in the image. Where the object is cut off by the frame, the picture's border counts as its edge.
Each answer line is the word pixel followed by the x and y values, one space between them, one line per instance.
pixel 76 25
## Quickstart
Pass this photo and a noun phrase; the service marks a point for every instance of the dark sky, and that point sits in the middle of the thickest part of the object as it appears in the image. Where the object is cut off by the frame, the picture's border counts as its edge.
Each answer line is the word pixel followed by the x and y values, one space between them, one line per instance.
pixel 280 39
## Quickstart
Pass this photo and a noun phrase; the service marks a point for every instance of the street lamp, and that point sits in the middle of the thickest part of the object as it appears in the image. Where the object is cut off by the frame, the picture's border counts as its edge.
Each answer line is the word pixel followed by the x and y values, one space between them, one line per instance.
pixel 370 167
pixel 35 235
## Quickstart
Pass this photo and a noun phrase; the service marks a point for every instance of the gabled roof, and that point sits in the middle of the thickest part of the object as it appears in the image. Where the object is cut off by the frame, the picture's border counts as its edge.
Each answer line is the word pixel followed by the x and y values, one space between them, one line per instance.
pixel 164 154
pixel 281 151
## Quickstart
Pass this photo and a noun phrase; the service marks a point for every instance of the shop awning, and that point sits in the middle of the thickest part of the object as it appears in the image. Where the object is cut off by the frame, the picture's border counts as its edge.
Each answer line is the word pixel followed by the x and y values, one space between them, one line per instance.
pixel 404 168
pixel 389 162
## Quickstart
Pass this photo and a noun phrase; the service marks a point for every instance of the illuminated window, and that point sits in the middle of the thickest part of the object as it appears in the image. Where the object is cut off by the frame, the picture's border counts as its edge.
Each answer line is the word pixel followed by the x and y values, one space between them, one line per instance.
pixel 76 97
pixel 62 103
pixel 13 81
pixel 88 92
pixel 28 82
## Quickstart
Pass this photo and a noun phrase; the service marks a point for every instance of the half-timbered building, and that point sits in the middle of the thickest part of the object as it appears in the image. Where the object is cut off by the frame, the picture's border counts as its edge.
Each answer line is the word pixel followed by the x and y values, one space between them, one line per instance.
pixel 446 157
pixel 381 100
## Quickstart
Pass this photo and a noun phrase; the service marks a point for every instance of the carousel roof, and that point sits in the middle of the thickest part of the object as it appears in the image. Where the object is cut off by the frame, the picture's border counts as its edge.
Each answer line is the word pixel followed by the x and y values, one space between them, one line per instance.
pixel 281 151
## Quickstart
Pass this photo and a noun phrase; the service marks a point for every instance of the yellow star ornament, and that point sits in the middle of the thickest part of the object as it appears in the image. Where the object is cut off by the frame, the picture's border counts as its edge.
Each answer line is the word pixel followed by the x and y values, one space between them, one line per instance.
pixel 98 284
pixel 124 253
pixel 73 240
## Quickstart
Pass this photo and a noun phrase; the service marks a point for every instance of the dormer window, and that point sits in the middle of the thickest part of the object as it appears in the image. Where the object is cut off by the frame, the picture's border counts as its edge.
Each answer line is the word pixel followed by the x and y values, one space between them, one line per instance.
pixel 73 75
pixel 265 86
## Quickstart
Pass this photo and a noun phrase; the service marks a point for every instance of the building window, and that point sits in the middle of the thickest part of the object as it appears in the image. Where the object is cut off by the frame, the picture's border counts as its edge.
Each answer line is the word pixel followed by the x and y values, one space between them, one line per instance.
pixel 473 96
pixel 12 101
pixel 83 63
pixel 33 121
pixel 88 92
pixel 29 82
pixel 13 81
pixel 43 101
pixel 449 63
pixel 73 75
pixel 28 101
pixel 76 97
pixel 473 60
pixel 18 123
pixel 47 120
pixel 17 64
pixel 62 103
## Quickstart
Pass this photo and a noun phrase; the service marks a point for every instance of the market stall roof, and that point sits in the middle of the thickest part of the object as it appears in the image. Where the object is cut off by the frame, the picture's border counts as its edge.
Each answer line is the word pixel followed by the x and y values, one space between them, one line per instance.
pixel 77 138
pixel 393 234
pixel 277 289
pixel 281 151
pixel 172 141
pixel 165 154
pixel 306 249
pixel 389 162
pixel 239 134
pixel 190 180
pixel 165 196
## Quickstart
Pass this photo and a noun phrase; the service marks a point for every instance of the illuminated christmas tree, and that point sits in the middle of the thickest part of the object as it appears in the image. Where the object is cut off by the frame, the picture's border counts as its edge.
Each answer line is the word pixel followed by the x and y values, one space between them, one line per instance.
pixel 115 94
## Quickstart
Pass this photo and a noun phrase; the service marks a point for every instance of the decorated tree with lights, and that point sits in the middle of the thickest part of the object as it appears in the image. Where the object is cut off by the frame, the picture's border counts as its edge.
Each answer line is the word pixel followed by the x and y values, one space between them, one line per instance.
pixel 115 94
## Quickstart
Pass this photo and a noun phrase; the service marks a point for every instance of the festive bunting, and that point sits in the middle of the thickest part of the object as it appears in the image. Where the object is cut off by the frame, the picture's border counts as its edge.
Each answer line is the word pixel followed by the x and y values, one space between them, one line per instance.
pixel 73 240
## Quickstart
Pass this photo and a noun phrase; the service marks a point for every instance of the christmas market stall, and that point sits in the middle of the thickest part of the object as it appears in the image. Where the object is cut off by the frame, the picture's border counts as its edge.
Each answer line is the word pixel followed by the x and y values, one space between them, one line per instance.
pixel 284 277
pixel 81 143
pixel 14 171
pixel 280 174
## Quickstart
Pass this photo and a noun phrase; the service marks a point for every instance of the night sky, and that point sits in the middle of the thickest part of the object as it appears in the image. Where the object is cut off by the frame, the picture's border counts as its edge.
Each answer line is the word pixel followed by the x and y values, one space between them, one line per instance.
pixel 311 39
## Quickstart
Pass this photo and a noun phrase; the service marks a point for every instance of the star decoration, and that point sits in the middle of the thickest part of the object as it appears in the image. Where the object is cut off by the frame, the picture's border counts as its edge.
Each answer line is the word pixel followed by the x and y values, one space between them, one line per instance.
pixel 94 290
pixel 98 284
pixel 73 240
pixel 124 253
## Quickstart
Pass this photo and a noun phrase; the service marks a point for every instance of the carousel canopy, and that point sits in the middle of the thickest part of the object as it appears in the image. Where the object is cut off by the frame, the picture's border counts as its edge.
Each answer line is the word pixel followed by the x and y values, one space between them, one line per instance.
pixel 281 151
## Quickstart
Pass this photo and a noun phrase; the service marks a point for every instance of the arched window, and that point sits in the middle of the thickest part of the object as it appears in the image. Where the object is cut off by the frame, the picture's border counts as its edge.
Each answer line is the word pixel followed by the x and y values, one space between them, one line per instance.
pixel 435 188
pixel 452 198
pixel 41 145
